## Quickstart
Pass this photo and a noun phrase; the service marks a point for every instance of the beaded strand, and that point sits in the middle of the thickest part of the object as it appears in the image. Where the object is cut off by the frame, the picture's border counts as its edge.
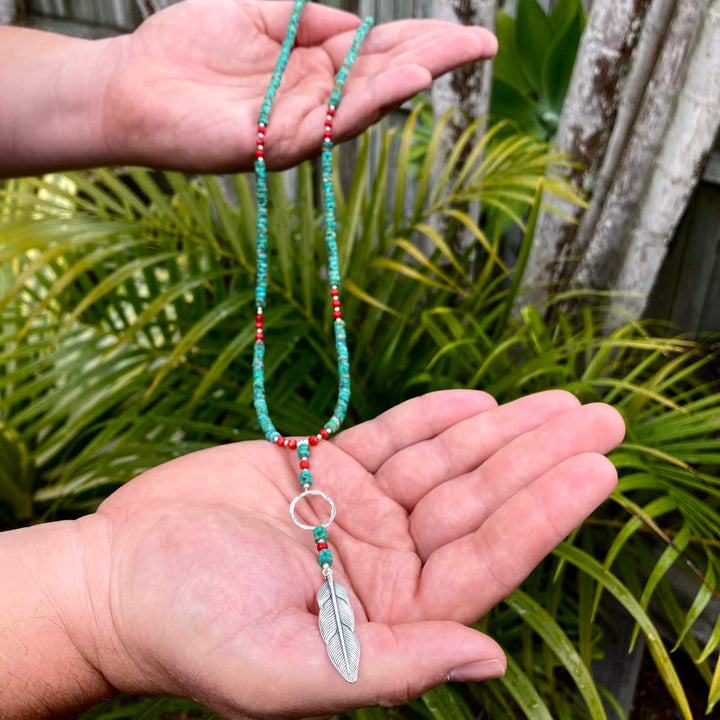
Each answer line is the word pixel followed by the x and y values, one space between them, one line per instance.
pixel 302 446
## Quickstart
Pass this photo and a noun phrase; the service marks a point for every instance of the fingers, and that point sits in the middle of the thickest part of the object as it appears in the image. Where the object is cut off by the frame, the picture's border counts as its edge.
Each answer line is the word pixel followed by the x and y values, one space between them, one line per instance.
pixel 459 447
pixel 401 662
pixel 437 45
pixel 458 507
pixel 397 663
pixel 369 100
pixel 423 418
pixel 366 101
pixel 398 61
pixel 317 23
pixel 464 579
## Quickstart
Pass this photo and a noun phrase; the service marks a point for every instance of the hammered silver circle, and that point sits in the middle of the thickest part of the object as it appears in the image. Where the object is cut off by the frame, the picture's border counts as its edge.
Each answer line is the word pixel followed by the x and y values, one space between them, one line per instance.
pixel 305 494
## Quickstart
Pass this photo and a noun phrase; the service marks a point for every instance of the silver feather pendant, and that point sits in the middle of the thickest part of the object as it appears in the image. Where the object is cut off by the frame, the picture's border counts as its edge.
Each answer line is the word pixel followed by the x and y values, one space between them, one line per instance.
pixel 337 627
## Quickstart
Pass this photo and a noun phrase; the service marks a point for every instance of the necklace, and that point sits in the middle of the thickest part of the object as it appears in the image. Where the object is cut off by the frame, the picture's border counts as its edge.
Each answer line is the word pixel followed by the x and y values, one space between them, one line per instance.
pixel 336 617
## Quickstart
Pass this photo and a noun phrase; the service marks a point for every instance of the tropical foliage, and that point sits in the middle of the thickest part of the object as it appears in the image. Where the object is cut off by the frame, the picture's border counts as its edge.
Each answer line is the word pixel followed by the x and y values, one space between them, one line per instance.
pixel 127 329
pixel 535 60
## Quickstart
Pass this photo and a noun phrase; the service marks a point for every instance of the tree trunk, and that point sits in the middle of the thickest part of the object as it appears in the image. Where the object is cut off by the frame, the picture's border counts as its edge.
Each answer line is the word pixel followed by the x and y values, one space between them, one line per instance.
pixel 625 131
pixel 467 88
pixel 465 91
pixel 641 177
pixel 603 232
pixel 678 166
pixel 8 11
pixel 148 7
pixel 591 106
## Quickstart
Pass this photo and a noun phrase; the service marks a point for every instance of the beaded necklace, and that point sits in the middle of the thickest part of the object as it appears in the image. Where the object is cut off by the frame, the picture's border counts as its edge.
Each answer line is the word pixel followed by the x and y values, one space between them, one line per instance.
pixel 336 617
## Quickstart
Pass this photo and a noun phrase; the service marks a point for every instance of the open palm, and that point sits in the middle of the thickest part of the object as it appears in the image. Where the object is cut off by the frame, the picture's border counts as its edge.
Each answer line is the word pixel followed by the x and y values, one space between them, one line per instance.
pixel 445 504
pixel 189 82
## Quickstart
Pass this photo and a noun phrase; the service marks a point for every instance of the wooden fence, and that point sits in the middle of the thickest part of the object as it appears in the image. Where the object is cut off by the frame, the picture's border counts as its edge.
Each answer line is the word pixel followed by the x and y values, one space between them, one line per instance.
pixel 125 15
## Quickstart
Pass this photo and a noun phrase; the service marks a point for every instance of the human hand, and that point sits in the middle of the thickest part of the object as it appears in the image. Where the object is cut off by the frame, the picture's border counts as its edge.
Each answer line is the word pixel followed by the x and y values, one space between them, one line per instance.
pixel 188 85
pixel 201 586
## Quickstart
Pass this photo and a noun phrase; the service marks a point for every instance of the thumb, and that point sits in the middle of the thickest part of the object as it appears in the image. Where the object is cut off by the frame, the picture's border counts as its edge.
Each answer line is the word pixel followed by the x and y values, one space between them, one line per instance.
pixel 401 662
pixel 397 663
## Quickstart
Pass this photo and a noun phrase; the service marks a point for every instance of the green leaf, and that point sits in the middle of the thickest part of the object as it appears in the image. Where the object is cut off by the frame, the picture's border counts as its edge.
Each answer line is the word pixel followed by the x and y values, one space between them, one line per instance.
pixel 524 693
pixel 610 582
pixel 219 313
pixel 356 290
pixel 16 475
pixel 508 103
pixel 403 167
pixel 353 213
pixel 714 694
pixel 227 216
pixel 308 234
pixel 411 273
pixel 444 704
pixel 533 38
pixel 559 62
pixel 563 12
pixel 522 261
pixel 712 644
pixel 506 67
pixel 660 569
pixel 534 615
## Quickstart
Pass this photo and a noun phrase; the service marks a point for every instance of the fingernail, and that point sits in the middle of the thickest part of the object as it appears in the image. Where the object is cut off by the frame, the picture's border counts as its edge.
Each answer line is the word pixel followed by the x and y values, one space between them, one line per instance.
pixel 477 671
pixel 487 40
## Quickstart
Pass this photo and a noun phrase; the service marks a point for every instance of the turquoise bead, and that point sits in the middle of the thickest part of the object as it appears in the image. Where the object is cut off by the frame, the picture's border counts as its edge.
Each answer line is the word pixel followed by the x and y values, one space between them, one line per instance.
pixel 333 264
pixel 325 558
pixel 306 477
pixel 320 534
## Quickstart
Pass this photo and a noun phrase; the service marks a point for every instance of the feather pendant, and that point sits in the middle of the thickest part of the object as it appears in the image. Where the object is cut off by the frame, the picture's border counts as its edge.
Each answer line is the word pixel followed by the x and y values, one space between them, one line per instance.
pixel 337 627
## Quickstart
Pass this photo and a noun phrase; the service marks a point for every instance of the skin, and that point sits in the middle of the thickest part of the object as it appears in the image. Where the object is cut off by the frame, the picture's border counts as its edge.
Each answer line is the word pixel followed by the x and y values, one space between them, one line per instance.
pixel 184 91
pixel 191 579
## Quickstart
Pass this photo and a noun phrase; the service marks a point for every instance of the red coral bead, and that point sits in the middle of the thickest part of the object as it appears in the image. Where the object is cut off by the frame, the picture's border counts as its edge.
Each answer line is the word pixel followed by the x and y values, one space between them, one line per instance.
pixel 322 546
pixel 334 292
pixel 259 335
pixel 325 434
pixel 292 444
pixel 336 303
pixel 331 111
pixel 260 154
pixel 337 314
pixel 313 440
pixel 280 442
pixel 304 464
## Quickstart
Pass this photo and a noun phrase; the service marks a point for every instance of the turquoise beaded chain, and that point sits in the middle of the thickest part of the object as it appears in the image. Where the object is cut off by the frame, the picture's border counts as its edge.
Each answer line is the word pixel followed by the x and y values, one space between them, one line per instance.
pixel 336 616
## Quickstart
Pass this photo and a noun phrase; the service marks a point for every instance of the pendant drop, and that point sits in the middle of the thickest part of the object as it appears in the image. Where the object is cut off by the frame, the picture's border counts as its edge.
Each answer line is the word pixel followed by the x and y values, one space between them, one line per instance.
pixel 336 618
pixel 337 627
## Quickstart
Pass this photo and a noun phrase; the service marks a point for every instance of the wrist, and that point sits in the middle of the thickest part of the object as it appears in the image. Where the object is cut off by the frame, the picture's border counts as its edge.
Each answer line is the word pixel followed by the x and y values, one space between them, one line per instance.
pixel 47 636
pixel 55 118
